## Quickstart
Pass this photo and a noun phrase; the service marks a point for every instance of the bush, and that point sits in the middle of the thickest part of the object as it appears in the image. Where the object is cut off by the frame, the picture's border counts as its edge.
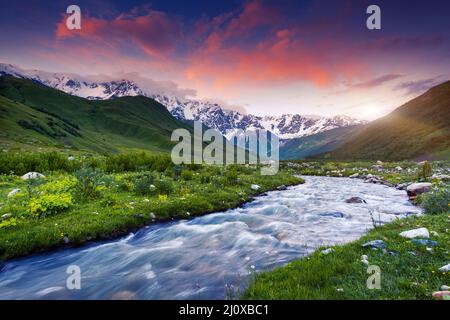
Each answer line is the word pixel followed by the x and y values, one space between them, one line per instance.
pixel 143 184
pixel 231 177
pixel 164 186
pixel 187 175
pixel 89 181
pixel 49 204
pixel 426 171
pixel 437 201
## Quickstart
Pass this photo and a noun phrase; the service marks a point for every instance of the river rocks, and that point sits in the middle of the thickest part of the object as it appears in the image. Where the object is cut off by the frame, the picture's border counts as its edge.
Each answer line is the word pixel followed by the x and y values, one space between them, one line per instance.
pixel 66 240
pixel 355 200
pixel 32 175
pixel 415 189
pixel 377 244
pixel 377 167
pixel 440 177
pixel 415 233
pixel 355 175
pixel 255 187
pixel 441 295
pixel 379 162
pixel 365 259
pixel 13 193
pixel 281 188
pixel 445 268
pixel 424 242
pixel 327 251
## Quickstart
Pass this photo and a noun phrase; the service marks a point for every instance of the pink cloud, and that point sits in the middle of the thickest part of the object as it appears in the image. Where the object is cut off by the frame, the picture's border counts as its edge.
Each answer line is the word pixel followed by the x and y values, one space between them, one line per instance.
pixel 155 33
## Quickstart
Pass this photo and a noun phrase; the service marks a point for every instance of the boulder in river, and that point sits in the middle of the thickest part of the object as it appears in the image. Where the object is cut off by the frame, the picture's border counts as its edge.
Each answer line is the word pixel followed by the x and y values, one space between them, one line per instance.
pixel 413 190
pixel 415 233
pixel 32 175
pixel 377 244
pixel 355 200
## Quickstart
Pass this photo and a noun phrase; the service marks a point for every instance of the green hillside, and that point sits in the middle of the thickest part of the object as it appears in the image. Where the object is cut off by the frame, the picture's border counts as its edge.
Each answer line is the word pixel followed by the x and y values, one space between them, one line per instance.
pixel 309 146
pixel 35 116
pixel 419 129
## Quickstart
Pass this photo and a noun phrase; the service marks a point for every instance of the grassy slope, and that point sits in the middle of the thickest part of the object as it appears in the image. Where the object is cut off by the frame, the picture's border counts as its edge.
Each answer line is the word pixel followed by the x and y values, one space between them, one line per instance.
pixel 103 126
pixel 420 129
pixel 302 148
pixel 118 211
pixel 412 273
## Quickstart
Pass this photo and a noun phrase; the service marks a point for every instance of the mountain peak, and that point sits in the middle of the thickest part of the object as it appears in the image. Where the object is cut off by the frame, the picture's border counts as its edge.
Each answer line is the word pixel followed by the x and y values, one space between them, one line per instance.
pixel 211 114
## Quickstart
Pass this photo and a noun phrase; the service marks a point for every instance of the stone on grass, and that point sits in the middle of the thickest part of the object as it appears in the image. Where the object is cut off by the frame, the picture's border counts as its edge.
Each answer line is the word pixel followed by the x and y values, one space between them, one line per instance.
pixel 445 268
pixel 255 187
pixel 13 193
pixel 445 288
pixel 6 216
pixel 32 175
pixel 327 251
pixel 377 244
pixel 415 233
pixel 415 189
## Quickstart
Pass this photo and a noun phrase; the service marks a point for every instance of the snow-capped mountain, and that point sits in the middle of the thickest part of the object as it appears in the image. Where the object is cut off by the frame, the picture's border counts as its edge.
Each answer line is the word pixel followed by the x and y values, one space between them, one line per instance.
pixel 286 126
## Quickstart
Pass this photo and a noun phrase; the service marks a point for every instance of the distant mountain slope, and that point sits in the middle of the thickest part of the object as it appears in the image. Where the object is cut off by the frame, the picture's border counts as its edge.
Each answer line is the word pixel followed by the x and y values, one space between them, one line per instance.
pixel 33 113
pixel 313 145
pixel 212 115
pixel 419 129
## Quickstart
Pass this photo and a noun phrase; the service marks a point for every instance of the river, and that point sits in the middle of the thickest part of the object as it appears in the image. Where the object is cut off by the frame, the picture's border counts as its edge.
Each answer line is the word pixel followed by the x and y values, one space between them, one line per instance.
pixel 197 258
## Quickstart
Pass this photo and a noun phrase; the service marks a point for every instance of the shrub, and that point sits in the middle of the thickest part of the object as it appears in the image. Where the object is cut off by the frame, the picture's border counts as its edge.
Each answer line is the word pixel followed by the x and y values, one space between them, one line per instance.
pixel 437 201
pixel 164 186
pixel 89 181
pixel 61 185
pixel 49 204
pixel 426 171
pixel 187 175
pixel 143 184
pixel 231 177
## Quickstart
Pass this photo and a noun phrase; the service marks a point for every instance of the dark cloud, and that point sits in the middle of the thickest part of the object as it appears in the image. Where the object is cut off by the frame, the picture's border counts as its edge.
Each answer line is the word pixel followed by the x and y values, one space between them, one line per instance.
pixel 372 83
pixel 419 86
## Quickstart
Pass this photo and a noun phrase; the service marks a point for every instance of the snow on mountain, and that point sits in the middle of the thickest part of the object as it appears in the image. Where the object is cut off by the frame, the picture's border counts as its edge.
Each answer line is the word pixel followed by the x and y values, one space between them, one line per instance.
pixel 286 126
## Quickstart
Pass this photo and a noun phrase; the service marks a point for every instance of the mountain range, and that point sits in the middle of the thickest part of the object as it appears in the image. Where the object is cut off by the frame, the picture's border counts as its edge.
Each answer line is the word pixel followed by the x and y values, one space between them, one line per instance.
pixel 419 130
pixel 212 115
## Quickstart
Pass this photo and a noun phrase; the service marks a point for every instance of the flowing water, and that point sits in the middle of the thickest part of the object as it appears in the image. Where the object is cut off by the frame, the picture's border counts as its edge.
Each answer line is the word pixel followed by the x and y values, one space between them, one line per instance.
pixel 196 259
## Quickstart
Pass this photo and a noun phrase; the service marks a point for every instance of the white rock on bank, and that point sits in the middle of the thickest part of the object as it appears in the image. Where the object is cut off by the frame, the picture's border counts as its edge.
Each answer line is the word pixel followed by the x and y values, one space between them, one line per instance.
pixel 327 251
pixel 255 187
pixel 413 190
pixel 32 175
pixel 13 193
pixel 416 233
pixel 445 268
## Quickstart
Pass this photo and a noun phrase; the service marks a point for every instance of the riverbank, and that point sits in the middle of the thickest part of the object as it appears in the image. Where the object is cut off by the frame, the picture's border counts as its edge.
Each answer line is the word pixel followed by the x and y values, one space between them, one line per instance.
pixel 70 209
pixel 409 268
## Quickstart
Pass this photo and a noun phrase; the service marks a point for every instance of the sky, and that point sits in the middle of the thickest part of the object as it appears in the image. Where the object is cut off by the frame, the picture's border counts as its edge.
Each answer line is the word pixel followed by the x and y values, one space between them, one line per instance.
pixel 265 57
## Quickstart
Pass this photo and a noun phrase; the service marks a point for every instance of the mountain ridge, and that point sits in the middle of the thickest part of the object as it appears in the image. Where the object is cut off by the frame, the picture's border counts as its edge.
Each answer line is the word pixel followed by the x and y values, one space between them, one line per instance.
pixel 213 115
